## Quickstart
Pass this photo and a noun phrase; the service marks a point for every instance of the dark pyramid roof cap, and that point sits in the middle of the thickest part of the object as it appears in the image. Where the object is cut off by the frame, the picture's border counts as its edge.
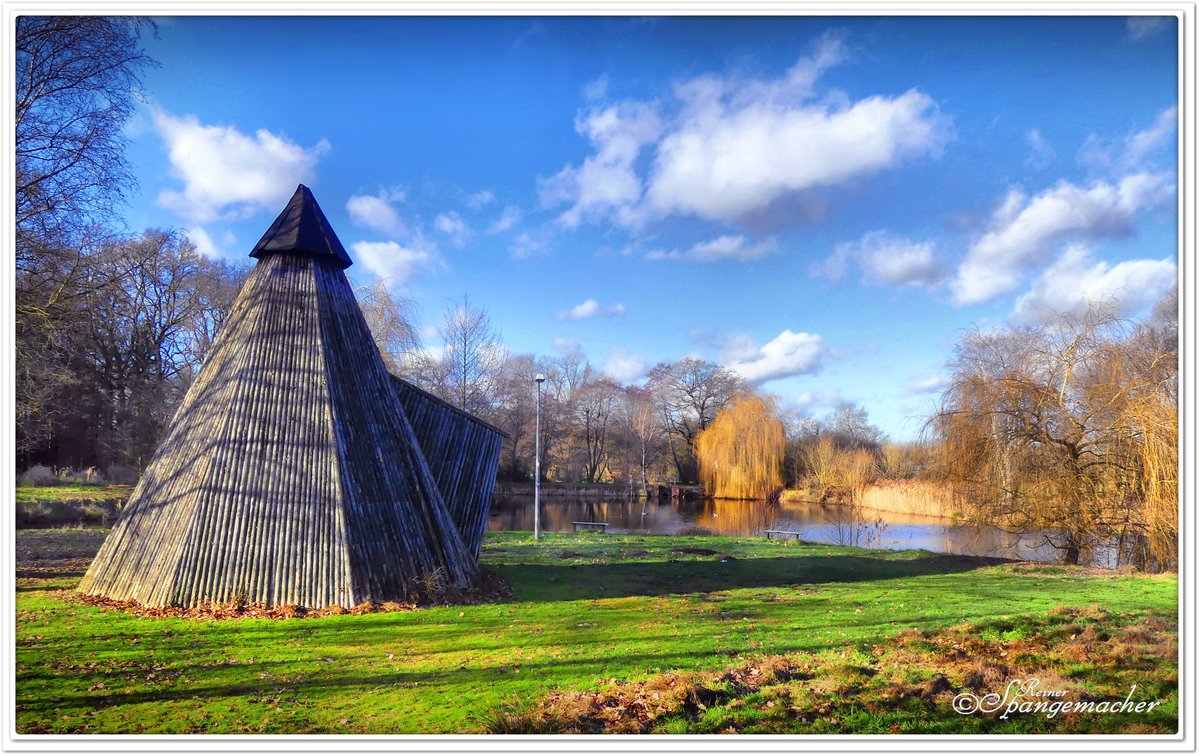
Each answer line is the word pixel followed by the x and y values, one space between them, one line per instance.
pixel 302 229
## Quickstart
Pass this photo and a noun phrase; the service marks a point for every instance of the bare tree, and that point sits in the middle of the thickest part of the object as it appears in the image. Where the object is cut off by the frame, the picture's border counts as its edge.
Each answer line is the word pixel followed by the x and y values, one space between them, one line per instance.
pixel 689 393
pixel 641 431
pixel 514 413
pixel 391 320
pixel 77 77
pixel 592 409
pixel 473 357
pixel 851 427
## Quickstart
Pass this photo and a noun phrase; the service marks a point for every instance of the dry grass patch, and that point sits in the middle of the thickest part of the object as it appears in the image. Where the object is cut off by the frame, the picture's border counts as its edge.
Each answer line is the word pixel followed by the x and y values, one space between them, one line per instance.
pixel 897 686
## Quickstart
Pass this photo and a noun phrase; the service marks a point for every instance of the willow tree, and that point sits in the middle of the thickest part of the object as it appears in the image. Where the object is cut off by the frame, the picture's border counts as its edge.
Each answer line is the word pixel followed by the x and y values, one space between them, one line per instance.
pixel 741 452
pixel 1068 430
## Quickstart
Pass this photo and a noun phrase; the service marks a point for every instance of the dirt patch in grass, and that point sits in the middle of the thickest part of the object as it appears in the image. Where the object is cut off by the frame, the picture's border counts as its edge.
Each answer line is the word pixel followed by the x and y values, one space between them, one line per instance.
pixel 695 550
pixel 888 688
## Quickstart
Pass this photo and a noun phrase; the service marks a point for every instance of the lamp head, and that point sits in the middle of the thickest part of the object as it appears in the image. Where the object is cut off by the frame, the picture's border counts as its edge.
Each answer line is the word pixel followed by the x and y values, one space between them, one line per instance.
pixel 539 378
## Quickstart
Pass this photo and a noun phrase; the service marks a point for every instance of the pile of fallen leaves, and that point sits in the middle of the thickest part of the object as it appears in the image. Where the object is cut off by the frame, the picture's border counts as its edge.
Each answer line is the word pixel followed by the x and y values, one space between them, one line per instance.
pixel 916 665
pixel 487 587
pixel 624 706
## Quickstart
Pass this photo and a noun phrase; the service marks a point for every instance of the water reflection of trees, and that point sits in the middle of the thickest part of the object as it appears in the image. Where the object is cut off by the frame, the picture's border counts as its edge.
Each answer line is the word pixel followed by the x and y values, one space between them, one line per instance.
pixel 837 524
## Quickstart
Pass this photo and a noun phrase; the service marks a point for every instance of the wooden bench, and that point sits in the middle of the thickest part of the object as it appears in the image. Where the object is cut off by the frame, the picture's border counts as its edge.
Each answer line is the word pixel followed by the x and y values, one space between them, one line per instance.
pixel 783 533
pixel 575 526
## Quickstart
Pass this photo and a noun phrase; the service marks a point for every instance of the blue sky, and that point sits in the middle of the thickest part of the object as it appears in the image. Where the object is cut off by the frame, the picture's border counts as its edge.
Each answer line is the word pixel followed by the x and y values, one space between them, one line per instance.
pixel 823 204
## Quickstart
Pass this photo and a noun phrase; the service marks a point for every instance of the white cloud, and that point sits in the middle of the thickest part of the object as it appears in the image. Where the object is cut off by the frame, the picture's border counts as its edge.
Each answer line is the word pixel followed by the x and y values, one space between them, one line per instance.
pixel 607 180
pixel 526 246
pixel 391 260
pixel 623 367
pixel 1141 27
pixel 568 347
pixel 226 173
pixel 807 401
pixel 1141 143
pixel 1024 230
pixel 728 247
pixel 885 259
pixel 590 309
pixel 1041 153
pixel 480 199
pixel 786 355
pixel 1075 281
pixel 736 347
pixel 378 212
pixel 208 246
pixel 730 147
pixel 451 224
pixel 509 218
pixel 1132 153
pixel 730 160
pixel 931 384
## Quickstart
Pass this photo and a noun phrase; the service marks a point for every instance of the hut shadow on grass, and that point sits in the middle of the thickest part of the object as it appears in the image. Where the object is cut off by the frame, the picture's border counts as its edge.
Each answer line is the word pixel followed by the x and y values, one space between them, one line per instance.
pixel 593 581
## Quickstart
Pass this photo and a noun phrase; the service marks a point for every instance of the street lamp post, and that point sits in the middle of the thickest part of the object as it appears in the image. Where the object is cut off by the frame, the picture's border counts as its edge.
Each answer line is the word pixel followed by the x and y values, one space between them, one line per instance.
pixel 537 459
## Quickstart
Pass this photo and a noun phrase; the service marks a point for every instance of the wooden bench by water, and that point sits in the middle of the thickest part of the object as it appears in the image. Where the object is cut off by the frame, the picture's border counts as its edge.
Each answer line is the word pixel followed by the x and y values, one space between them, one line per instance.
pixel 575 526
pixel 783 534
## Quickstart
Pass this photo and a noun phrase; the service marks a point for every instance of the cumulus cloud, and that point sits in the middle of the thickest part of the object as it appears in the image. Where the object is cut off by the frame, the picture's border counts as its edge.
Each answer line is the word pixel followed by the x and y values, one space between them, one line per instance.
pixel 732 160
pixel 1076 281
pixel 786 355
pixel 209 247
pixel 226 173
pixel 451 224
pixel 607 180
pixel 510 217
pixel 378 211
pixel 728 247
pixel 391 260
pixel 1024 230
pixel 590 309
pixel 885 259
pixel 623 367
pixel 726 148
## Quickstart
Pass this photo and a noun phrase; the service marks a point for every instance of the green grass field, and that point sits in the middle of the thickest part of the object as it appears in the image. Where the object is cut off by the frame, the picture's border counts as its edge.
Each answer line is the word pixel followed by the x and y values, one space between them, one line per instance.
pixel 614 633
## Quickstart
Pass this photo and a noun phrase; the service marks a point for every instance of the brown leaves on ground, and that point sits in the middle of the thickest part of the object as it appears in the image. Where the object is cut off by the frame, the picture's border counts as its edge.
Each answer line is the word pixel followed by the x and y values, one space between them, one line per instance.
pixel 487 587
pixel 913 666
pixel 623 706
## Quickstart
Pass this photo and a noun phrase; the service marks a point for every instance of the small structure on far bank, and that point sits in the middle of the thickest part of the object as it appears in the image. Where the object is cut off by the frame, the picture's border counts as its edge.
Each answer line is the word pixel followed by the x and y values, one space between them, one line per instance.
pixel 291 473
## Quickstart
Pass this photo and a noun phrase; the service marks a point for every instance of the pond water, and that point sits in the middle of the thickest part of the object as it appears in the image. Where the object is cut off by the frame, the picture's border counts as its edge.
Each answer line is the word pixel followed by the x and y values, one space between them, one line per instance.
pixel 822 523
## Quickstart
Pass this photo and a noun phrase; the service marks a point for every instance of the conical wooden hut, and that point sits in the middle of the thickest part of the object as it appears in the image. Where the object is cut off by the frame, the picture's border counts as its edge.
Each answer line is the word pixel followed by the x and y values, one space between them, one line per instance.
pixel 290 473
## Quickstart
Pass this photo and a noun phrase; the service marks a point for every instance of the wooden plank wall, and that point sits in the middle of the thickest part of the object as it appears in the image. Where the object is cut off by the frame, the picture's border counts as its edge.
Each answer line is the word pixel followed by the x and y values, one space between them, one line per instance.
pixel 463 453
